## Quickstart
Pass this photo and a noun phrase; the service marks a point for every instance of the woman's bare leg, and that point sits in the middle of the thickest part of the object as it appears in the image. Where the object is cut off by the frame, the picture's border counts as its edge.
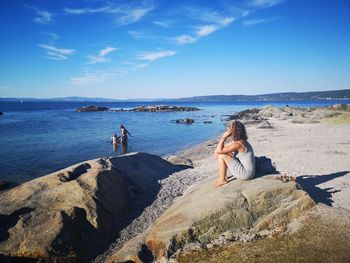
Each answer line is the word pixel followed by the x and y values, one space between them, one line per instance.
pixel 223 159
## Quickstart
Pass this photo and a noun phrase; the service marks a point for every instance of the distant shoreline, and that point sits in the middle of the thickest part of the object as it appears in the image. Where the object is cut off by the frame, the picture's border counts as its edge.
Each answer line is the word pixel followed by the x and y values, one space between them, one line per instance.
pixel 281 96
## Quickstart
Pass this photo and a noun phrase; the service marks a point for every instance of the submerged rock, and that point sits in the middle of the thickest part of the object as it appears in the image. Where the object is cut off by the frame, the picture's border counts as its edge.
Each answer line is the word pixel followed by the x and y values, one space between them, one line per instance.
pixel 183 121
pixel 1 113
pixel 92 108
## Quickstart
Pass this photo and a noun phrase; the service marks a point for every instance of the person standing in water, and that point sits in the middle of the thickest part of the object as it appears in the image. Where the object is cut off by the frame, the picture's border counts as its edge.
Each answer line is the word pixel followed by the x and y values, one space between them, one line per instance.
pixel 124 138
pixel 115 141
pixel 124 134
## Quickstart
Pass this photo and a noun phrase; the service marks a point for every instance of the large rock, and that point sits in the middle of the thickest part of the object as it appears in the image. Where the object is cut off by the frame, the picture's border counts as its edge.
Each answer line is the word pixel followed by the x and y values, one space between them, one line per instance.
pixel 205 213
pixel 70 215
pixel 92 108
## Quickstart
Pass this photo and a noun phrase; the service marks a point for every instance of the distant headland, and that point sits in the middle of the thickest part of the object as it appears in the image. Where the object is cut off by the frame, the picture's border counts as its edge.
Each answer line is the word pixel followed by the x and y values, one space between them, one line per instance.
pixel 283 96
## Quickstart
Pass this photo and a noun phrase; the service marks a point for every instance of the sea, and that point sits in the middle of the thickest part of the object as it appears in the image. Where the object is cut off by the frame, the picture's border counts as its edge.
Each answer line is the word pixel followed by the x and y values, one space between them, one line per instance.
pixel 41 137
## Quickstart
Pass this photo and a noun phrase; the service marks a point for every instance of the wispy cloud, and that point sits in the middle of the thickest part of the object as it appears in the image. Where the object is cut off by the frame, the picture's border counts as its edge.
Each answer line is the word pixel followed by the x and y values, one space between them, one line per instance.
pixel 206 30
pixel 165 24
pixel 97 59
pixel 101 57
pixel 201 31
pixel 129 16
pixel 55 53
pixel 132 66
pixel 214 21
pixel 266 3
pixel 106 51
pixel 253 22
pixel 212 16
pixel 185 39
pixel 122 15
pixel 53 36
pixel 136 34
pixel 94 77
pixel 42 16
pixel 152 56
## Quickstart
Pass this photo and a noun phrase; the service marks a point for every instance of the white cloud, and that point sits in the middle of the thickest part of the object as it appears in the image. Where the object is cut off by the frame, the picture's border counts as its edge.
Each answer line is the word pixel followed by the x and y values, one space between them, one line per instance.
pixel 90 78
pixel 131 16
pixel 185 39
pixel 106 51
pixel 252 22
pixel 206 30
pixel 100 58
pixel 227 21
pixel 42 16
pixel 83 11
pixel 136 34
pixel 97 59
pixel 201 32
pixel 152 56
pixel 134 66
pixel 164 24
pixel 53 36
pixel 122 15
pixel 55 53
pixel 266 3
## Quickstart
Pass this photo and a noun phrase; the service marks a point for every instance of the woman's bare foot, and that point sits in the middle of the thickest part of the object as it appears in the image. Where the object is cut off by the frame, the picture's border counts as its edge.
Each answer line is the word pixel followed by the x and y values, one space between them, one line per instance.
pixel 219 183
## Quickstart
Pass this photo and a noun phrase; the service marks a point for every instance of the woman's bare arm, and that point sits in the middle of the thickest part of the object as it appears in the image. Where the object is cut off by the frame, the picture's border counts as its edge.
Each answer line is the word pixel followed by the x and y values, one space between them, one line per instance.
pixel 222 148
pixel 228 148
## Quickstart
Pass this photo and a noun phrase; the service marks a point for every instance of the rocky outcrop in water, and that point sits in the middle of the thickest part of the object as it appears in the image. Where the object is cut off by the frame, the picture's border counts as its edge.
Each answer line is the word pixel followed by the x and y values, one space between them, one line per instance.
pixel 71 215
pixel 92 108
pixel 163 108
pixel 205 214
pixel 183 121
pixel 155 108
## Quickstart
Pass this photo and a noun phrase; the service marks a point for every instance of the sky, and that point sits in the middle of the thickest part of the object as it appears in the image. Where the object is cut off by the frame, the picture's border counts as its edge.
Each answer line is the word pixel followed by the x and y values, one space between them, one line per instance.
pixel 169 49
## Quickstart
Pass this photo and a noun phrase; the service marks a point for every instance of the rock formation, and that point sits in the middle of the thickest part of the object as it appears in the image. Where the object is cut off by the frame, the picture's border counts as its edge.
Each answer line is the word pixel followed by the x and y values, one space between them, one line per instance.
pixel 71 215
pixel 154 108
pixel 293 114
pixel 92 108
pixel 204 214
pixel 163 108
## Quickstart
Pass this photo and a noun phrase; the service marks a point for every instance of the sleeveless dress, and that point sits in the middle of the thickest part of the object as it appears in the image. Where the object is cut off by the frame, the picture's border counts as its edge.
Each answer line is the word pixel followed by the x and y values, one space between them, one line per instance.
pixel 242 166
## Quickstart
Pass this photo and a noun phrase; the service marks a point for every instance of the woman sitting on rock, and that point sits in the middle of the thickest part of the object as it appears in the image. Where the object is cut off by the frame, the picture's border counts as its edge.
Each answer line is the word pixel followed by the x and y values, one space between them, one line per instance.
pixel 237 156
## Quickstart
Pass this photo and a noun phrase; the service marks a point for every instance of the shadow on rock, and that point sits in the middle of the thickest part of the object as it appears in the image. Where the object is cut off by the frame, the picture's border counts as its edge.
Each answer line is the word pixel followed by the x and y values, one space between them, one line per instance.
pixel 309 184
pixel 8 221
pixel 143 181
pixel 264 166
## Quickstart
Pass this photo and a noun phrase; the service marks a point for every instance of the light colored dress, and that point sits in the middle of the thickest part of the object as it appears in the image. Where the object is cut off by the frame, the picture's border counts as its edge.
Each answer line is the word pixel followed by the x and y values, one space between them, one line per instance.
pixel 242 166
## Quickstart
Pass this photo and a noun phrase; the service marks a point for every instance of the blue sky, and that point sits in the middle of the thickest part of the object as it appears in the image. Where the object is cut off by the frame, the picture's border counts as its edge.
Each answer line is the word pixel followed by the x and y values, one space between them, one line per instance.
pixel 168 49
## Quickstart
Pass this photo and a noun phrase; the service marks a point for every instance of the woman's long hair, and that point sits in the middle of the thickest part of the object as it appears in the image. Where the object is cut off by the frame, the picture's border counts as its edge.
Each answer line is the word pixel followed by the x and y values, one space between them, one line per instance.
pixel 238 131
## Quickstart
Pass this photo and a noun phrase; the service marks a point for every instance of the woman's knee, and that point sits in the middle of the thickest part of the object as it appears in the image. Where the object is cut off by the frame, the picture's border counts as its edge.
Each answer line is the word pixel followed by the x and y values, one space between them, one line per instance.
pixel 224 156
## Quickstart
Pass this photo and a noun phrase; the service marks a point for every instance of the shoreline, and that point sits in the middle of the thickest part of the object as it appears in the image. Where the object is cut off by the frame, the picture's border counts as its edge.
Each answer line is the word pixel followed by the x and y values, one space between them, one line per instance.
pixel 300 148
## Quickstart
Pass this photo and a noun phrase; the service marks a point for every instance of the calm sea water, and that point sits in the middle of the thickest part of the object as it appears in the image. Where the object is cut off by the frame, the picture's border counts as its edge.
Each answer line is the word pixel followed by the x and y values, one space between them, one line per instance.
pixel 37 138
